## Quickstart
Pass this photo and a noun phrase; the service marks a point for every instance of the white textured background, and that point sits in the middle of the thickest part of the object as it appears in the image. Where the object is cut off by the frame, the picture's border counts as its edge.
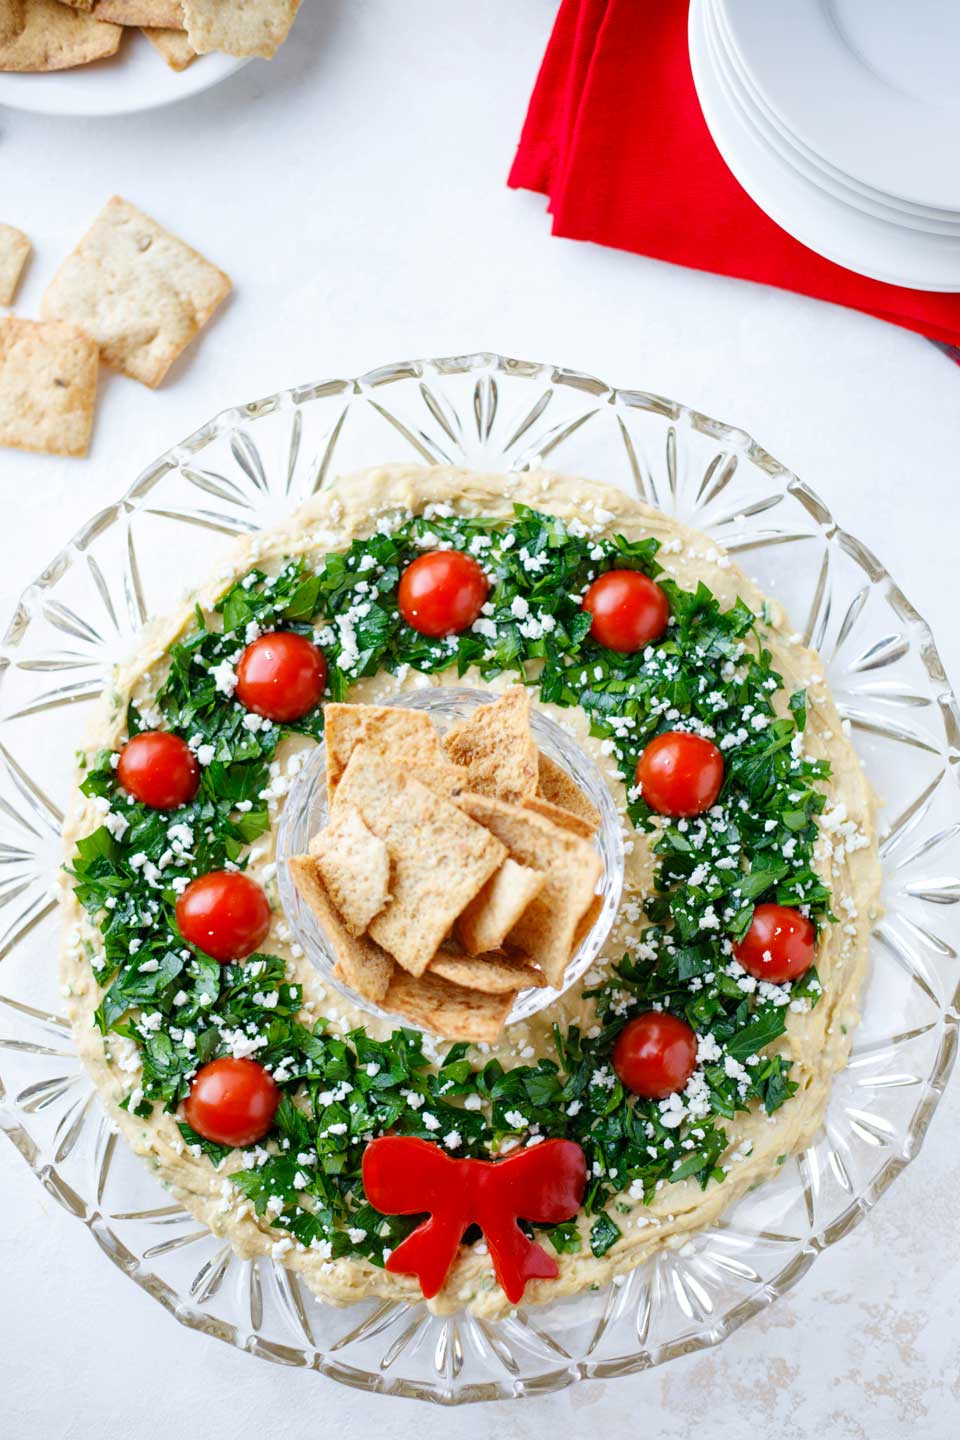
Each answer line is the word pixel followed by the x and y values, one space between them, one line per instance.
pixel 354 189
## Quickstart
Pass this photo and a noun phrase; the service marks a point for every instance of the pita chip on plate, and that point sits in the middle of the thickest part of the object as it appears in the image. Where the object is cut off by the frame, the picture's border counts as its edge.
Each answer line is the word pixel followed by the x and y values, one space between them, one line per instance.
pixel 48 386
pixel 12 18
pixel 244 27
pixel 166 13
pixel 14 250
pixel 54 37
pixel 360 963
pixel 140 292
pixel 173 45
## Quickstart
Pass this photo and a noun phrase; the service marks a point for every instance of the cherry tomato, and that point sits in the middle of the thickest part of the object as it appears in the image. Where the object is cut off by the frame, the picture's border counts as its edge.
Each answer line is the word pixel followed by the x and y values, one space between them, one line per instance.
pixel 442 593
pixel 225 914
pixel 159 770
pixel 231 1102
pixel 680 774
pixel 281 676
pixel 655 1054
pixel 779 944
pixel 628 608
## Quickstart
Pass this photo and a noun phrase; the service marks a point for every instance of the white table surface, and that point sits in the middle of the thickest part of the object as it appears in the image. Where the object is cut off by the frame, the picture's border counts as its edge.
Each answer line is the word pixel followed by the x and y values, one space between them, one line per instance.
pixel 354 189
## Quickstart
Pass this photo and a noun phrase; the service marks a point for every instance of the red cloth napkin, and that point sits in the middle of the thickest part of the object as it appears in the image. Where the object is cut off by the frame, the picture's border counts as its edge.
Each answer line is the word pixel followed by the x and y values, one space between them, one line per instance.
pixel 615 137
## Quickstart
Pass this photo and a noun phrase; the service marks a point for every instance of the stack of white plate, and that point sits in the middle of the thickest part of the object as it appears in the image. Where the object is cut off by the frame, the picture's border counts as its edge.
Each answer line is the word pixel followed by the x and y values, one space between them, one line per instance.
pixel 841 118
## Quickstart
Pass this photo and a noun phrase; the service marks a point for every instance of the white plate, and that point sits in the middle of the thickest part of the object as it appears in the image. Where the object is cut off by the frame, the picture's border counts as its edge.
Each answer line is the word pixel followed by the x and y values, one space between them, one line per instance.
pixel 873 86
pixel 807 161
pixel 136 78
pixel 863 243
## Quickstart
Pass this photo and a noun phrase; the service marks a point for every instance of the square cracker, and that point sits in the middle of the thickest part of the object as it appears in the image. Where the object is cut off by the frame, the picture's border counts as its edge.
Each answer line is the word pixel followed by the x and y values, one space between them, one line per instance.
pixel 557 788
pixel 361 963
pixel 488 919
pixel 14 249
pixel 48 386
pixel 245 27
pixel 141 293
pixel 173 45
pixel 53 37
pixel 496 747
pixel 407 737
pixel 168 13
pixel 449 1010
pixel 439 857
pixel 499 973
pixel 354 866
pixel 548 926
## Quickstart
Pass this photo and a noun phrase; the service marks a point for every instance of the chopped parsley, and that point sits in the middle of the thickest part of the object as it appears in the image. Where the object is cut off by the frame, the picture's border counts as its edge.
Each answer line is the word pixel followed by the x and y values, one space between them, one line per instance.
pixel 710 673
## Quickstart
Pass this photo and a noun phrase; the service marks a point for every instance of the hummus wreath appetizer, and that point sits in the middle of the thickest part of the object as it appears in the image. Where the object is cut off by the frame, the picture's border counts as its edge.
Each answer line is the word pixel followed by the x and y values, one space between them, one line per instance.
pixel 381 1157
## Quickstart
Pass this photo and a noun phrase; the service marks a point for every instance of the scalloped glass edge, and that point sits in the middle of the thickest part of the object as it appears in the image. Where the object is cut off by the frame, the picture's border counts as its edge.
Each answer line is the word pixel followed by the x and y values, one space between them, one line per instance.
pixel 550 1379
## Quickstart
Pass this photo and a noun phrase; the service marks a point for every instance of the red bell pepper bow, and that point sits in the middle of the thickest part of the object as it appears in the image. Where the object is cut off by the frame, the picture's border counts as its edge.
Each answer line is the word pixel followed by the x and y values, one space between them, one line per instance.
pixel 404 1176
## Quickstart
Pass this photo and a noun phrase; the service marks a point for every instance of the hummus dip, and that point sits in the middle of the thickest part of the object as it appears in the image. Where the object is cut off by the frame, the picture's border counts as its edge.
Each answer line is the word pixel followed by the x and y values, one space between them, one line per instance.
pixel 818 1028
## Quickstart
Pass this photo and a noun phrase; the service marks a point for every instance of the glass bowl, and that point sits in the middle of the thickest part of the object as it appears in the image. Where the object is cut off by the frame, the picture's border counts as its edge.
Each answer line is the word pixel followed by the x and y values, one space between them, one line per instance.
pixel 248 468
pixel 305 813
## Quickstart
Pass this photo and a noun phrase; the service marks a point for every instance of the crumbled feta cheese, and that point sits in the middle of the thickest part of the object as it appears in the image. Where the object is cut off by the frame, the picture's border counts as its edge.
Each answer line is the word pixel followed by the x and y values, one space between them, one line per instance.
pixel 224 677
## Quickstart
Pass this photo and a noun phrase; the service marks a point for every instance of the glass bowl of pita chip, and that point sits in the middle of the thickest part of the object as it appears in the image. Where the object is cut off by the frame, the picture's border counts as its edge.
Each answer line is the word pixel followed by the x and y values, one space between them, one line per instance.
pixel 453 860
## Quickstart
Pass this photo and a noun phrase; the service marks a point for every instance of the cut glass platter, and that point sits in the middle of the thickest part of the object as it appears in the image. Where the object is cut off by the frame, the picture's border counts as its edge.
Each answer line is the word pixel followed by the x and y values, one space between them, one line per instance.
pixel 247 469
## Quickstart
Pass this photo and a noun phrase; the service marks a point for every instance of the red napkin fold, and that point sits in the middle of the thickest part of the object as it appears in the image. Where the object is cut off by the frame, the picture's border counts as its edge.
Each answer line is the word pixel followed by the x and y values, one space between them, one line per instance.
pixel 615 136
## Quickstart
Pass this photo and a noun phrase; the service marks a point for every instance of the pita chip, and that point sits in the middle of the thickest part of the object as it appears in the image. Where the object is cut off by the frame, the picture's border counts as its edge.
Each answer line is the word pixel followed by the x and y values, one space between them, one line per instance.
pixel 439 857
pixel 587 921
pixel 360 963
pixel 548 925
pixel 140 12
pixel 173 45
pixel 446 1009
pixel 405 736
pixel 566 819
pixel 354 866
pixel 496 747
pixel 48 386
pixel 54 37
pixel 499 973
pixel 12 18
pixel 557 788
pixel 139 291
pixel 245 27
pixel 488 919
pixel 14 249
